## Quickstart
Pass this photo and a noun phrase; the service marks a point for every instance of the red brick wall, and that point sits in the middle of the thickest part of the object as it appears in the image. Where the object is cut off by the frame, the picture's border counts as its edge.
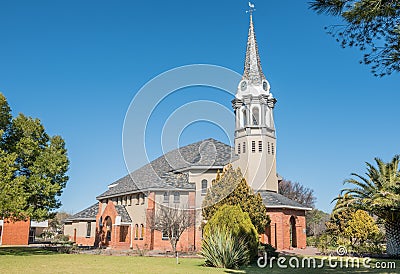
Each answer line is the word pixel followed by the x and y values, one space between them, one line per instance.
pixel 153 239
pixel 16 233
pixel 280 218
pixel 84 241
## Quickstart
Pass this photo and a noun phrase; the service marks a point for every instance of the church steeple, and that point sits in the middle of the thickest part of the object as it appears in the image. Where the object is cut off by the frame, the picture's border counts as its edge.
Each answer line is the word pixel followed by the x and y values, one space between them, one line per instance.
pixel 252 66
pixel 255 136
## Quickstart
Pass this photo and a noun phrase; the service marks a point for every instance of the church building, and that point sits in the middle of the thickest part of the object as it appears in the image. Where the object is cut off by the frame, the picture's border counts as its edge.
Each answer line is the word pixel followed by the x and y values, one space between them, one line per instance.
pixel 182 176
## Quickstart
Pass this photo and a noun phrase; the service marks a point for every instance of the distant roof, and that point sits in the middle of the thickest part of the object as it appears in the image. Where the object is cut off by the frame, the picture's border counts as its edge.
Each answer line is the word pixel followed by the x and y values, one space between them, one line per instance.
pixel 121 210
pixel 163 173
pixel 276 200
pixel 88 214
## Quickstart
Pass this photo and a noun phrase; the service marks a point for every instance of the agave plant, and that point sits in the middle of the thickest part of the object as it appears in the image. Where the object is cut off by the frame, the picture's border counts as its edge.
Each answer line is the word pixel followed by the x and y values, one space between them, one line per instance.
pixel 222 249
pixel 379 194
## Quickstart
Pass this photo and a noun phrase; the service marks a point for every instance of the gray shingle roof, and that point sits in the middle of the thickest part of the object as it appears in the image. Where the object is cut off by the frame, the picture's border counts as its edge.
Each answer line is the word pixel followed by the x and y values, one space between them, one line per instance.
pixel 276 200
pixel 88 214
pixel 121 210
pixel 162 172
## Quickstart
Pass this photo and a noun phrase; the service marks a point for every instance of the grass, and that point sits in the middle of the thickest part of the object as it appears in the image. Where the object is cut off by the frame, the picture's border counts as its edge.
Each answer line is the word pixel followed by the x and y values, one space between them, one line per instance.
pixel 33 260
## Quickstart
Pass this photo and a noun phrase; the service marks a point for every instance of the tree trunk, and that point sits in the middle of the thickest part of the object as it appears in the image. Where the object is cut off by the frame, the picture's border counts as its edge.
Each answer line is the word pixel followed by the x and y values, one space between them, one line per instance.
pixel 392 238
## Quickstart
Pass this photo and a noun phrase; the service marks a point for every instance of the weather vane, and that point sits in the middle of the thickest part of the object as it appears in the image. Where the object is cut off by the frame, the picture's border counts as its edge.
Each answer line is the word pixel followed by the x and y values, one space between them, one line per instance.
pixel 252 9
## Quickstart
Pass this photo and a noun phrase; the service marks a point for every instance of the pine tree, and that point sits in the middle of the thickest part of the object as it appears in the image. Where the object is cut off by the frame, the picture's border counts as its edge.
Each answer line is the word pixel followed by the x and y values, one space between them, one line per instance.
pixel 370 25
pixel 230 188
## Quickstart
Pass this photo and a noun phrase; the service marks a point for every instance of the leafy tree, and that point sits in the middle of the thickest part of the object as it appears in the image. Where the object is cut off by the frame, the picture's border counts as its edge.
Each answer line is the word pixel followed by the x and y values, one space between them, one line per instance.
pixel 33 167
pixel 315 222
pixel 238 223
pixel 56 225
pixel 370 25
pixel 360 228
pixel 13 197
pixel 378 193
pixel 339 219
pixel 230 188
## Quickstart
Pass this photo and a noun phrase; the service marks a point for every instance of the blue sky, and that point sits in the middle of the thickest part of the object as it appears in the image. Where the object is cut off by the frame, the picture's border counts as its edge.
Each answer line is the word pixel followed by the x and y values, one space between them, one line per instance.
pixel 78 64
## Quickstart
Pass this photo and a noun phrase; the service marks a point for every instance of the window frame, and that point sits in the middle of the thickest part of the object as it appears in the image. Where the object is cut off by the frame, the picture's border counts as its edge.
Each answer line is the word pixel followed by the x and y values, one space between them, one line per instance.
pixel 177 200
pixel 88 229
pixel 165 197
pixel 204 189
pixel 141 232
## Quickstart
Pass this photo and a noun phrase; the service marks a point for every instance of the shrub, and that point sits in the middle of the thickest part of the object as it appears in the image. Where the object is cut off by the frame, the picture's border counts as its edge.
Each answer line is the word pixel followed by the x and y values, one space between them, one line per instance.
pixel 222 249
pixel 61 238
pixel 268 249
pixel 238 223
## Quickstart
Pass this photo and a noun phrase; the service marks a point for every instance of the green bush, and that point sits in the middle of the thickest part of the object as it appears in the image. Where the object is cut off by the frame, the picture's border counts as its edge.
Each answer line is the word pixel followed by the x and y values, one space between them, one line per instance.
pixel 222 249
pixel 238 223
pixel 268 249
pixel 61 238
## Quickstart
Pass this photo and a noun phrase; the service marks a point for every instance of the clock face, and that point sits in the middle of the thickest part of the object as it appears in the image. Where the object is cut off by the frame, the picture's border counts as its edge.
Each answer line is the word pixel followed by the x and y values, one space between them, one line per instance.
pixel 265 86
pixel 243 85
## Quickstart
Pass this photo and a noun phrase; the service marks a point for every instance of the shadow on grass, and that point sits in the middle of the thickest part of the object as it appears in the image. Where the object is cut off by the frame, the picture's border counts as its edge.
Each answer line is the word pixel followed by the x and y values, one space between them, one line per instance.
pixel 27 251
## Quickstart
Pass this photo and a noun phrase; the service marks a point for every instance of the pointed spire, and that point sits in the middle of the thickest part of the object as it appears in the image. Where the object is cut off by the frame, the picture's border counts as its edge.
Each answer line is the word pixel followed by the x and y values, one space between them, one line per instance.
pixel 252 66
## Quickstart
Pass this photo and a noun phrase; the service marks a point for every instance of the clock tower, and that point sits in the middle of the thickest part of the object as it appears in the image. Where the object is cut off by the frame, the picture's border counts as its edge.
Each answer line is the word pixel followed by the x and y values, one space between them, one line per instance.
pixel 255 136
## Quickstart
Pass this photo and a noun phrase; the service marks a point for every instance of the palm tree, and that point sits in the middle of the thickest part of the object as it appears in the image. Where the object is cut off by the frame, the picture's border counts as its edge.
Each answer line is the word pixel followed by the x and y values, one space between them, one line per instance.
pixel 379 194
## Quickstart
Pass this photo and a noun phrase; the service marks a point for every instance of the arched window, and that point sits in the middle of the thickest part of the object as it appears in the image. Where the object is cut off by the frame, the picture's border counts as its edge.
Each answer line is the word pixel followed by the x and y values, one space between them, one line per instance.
pixel 141 232
pixel 136 231
pixel 256 116
pixel 108 226
pixel 176 197
pixel 204 185
pixel 244 117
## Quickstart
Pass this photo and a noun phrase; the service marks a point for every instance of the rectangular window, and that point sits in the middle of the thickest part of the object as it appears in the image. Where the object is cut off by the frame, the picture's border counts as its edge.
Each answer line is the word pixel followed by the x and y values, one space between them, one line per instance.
pixel 269 148
pixel 137 199
pixel 273 149
pixel 88 229
pixel 129 200
pixel 123 233
pixel 259 146
pixel 165 235
pixel 166 197
pixel 253 146
pixel 142 198
pixel 244 147
pixel 176 197
pixel 204 185
pixel 238 148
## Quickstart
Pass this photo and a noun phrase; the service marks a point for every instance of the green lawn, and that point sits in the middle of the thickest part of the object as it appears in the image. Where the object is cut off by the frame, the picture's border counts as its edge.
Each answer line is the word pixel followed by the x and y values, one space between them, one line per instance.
pixel 23 260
